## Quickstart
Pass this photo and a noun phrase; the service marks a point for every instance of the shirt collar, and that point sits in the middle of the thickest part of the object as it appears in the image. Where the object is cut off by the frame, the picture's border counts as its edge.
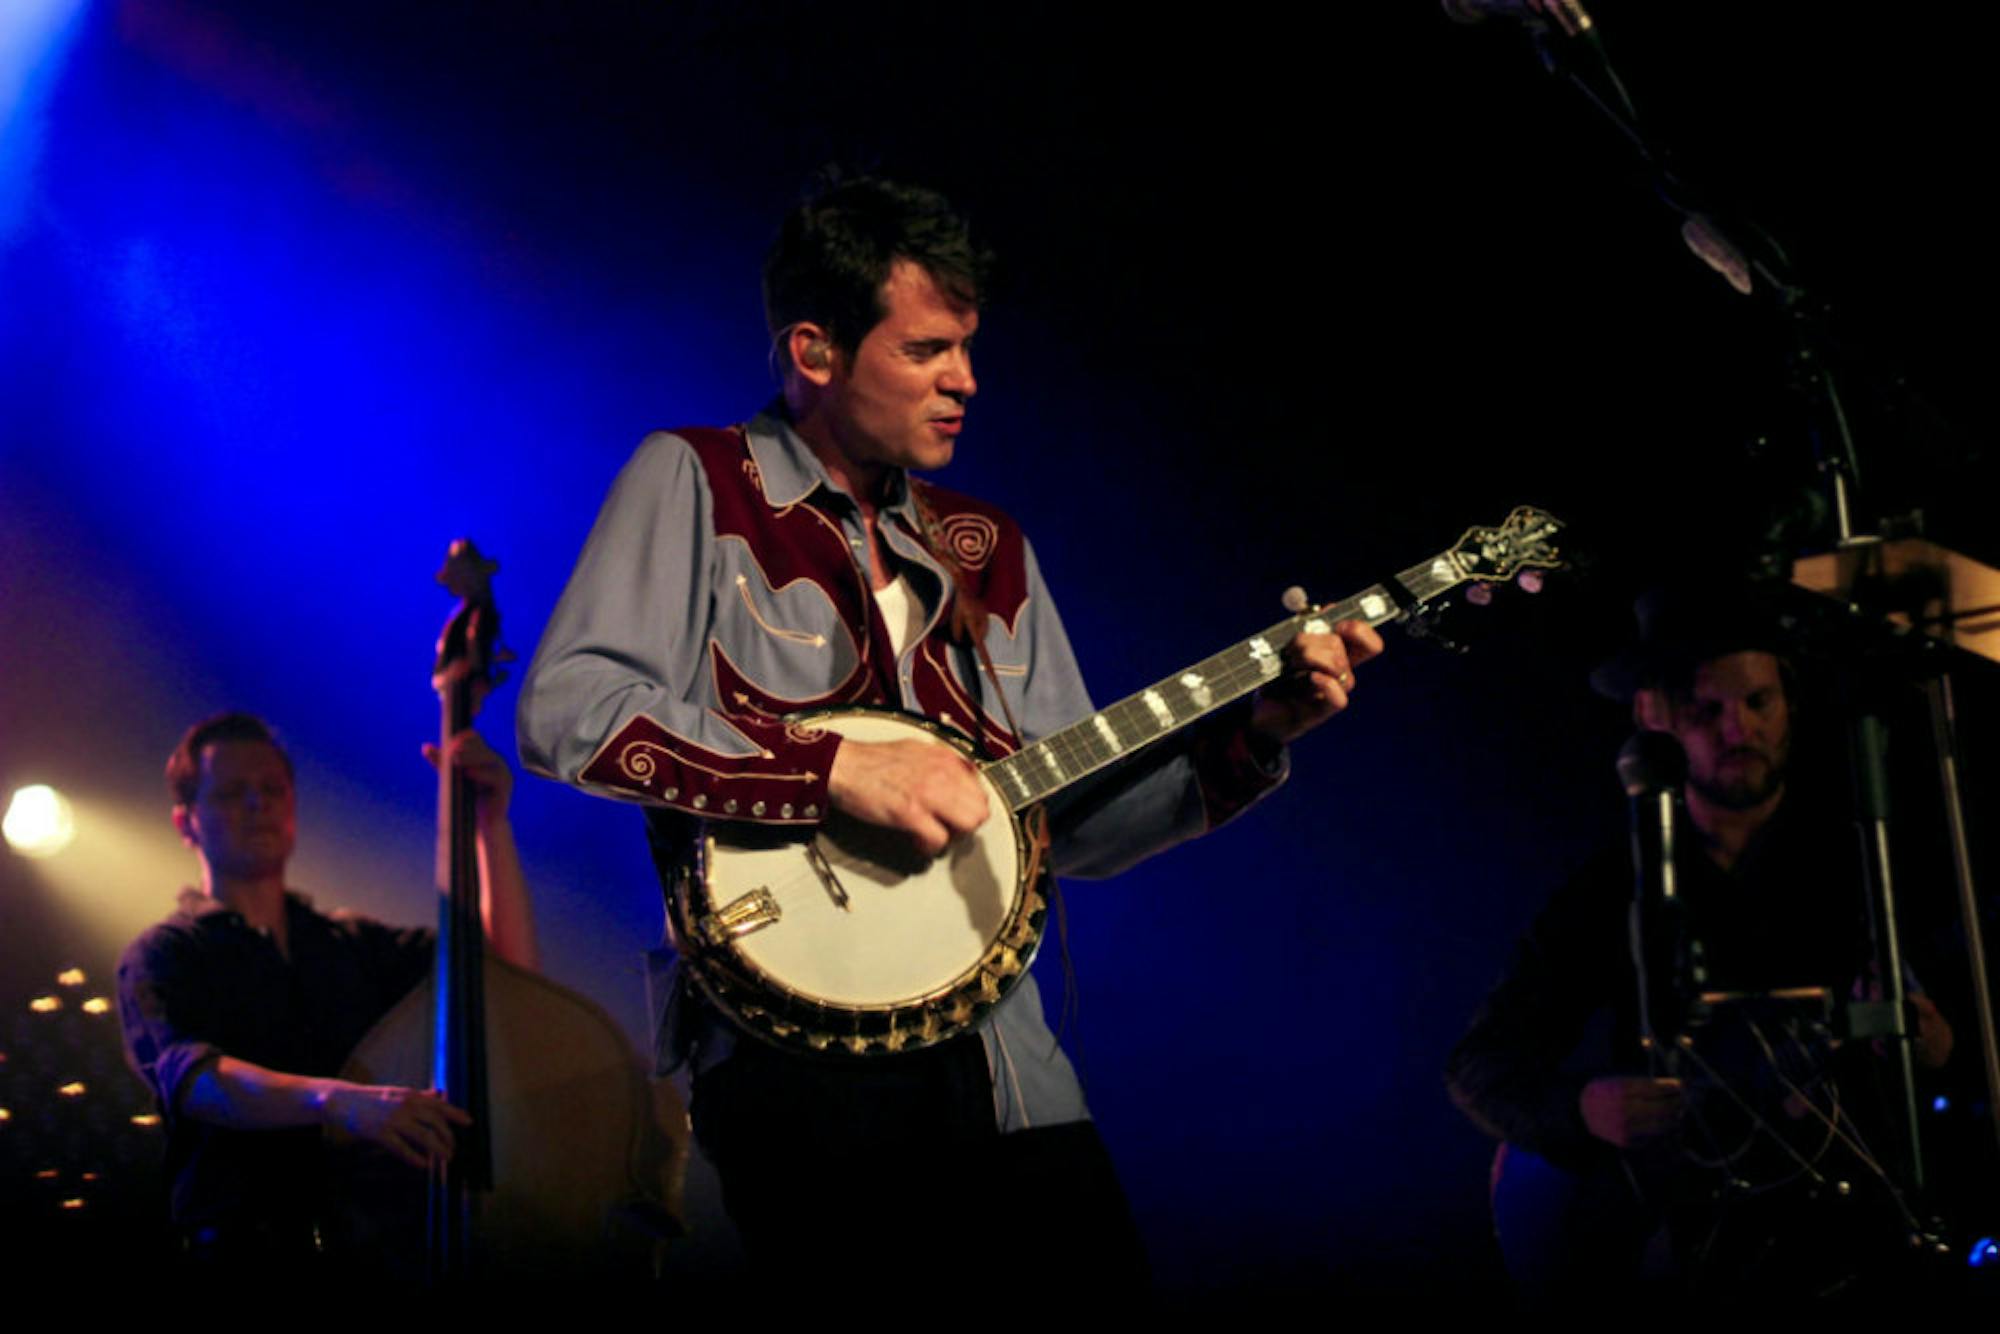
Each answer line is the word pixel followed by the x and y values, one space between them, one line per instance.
pixel 791 471
pixel 197 906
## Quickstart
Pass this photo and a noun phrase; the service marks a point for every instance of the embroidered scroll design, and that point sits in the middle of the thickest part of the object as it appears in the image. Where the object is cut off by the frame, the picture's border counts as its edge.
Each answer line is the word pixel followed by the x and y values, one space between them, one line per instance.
pixel 970 538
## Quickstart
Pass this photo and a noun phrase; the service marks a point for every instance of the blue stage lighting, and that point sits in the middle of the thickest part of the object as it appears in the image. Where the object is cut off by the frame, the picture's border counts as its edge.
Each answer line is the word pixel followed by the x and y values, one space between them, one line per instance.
pixel 1983 1252
pixel 34 35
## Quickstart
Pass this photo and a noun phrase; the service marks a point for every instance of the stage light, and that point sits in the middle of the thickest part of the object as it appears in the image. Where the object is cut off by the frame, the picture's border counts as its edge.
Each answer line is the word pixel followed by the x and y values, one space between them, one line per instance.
pixel 71 977
pixel 1940 1103
pixel 73 1090
pixel 39 822
pixel 97 1005
pixel 45 1004
pixel 34 37
pixel 146 1119
pixel 1984 1252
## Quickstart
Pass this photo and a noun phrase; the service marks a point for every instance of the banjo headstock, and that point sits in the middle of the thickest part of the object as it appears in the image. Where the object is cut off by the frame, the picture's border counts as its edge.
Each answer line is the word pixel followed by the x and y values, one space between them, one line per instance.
pixel 1524 540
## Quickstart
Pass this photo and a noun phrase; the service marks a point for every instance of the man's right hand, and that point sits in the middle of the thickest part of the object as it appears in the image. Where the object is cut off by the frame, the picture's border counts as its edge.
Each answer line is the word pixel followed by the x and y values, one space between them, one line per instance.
pixel 926 790
pixel 1626 1111
pixel 413 1124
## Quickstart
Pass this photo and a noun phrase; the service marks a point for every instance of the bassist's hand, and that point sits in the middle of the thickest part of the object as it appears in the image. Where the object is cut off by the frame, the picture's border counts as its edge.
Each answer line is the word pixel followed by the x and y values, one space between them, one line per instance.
pixel 492 781
pixel 924 789
pixel 413 1124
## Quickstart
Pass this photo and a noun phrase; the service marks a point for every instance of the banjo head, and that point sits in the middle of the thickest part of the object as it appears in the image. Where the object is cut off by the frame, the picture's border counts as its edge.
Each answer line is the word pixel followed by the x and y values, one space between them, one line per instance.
pixel 847 938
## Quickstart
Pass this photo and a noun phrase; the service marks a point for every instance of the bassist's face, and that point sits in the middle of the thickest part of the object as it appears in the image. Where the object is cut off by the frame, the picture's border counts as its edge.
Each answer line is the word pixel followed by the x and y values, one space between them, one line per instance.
pixel 242 820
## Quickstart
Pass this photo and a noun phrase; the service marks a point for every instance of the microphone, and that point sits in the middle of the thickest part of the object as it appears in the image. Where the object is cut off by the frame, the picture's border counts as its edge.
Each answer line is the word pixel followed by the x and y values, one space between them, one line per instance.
pixel 1651 762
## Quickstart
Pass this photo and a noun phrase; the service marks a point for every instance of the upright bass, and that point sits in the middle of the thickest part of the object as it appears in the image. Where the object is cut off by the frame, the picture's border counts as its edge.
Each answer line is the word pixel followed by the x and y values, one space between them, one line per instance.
pixel 572 1164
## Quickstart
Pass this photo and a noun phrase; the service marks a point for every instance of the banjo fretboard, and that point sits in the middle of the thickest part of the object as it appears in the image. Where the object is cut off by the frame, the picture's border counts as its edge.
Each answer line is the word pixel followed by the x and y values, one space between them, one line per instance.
pixel 1038 771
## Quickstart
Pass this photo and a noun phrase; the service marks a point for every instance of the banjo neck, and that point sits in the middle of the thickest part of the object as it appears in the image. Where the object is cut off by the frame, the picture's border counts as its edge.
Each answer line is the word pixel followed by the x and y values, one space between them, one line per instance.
pixel 1042 768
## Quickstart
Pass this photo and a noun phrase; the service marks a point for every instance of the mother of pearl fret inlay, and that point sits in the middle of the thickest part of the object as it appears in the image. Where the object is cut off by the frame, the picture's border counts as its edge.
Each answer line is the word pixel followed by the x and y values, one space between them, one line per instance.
pixel 1317 626
pixel 1374 606
pixel 1055 765
pixel 1197 689
pixel 1110 735
pixel 1157 705
pixel 1262 654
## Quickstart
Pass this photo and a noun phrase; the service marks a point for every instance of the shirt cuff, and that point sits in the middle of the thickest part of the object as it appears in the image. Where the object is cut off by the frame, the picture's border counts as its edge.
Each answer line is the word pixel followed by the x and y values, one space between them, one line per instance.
pixel 1236 767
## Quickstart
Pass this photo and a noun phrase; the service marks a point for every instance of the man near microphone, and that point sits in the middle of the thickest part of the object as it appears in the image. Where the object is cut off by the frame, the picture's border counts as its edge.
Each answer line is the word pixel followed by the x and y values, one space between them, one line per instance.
pixel 1770 897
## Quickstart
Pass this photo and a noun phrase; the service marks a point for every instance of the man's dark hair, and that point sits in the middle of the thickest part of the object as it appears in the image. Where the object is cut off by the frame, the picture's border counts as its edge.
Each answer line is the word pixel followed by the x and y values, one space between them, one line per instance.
pixel 184 764
pixel 834 252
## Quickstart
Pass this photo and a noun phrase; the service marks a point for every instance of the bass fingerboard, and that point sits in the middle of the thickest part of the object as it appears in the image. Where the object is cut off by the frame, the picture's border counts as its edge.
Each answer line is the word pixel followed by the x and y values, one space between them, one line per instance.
pixel 1038 771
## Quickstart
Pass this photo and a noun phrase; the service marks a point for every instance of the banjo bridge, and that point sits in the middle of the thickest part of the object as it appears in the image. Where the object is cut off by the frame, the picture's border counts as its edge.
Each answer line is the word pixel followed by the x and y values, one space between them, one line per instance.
pixel 740 916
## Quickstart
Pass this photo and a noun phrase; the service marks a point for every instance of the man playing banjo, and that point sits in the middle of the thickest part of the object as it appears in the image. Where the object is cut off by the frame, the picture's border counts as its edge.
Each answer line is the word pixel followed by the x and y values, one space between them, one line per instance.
pixel 737 577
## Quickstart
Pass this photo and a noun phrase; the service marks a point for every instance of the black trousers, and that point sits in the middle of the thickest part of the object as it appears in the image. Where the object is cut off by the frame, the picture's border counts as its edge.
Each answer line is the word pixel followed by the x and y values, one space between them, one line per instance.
pixel 891 1168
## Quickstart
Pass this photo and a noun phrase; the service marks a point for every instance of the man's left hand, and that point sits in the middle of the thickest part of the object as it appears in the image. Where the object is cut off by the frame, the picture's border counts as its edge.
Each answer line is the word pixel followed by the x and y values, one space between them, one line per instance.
pixel 492 780
pixel 1318 681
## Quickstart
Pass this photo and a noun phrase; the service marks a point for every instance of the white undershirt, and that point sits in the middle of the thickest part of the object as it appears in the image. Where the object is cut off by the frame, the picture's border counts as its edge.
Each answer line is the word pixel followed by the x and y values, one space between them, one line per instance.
pixel 901 613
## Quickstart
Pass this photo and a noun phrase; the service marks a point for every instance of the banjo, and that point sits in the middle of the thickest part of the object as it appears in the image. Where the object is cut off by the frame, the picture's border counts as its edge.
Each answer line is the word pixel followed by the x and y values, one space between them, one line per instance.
pixel 846 939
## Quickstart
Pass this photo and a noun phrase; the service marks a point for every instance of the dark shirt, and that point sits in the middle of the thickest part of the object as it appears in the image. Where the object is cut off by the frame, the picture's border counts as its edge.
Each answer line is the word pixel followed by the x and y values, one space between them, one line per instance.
pixel 205 984
pixel 1789 914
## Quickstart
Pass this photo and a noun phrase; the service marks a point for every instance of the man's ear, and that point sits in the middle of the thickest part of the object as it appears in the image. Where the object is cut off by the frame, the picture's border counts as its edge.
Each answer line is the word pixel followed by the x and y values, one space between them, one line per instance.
pixel 810 352
pixel 184 825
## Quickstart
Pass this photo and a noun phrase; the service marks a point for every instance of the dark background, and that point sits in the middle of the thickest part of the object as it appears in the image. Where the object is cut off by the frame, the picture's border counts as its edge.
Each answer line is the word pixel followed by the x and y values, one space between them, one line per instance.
pixel 292 295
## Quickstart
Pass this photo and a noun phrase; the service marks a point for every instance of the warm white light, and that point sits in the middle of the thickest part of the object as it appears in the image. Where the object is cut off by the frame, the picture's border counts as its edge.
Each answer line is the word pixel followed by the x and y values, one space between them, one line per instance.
pixel 71 977
pixel 97 1005
pixel 39 822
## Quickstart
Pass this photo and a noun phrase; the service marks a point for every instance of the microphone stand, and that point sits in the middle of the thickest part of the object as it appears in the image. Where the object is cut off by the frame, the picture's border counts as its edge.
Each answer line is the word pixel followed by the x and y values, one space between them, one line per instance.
pixel 1755 265
pixel 1651 767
